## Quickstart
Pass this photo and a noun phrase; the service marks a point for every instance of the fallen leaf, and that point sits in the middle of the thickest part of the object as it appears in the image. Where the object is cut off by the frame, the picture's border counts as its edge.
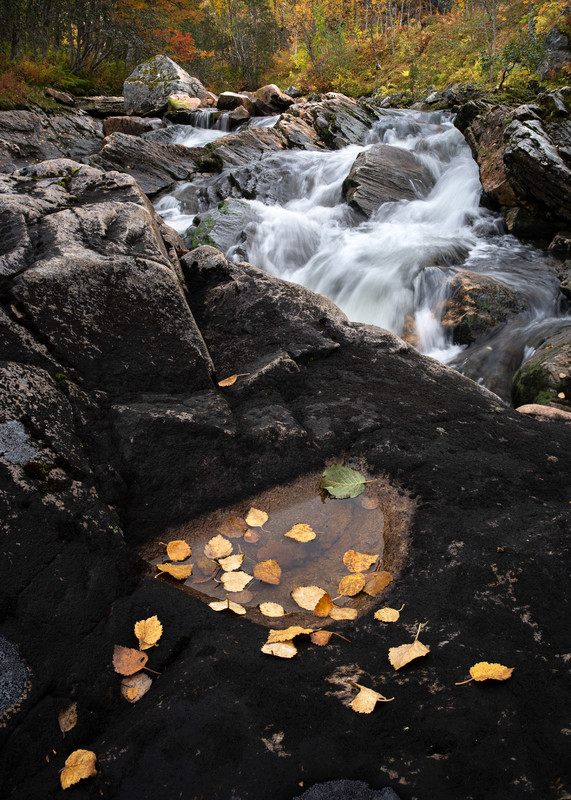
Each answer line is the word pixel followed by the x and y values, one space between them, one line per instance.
pixel 399 656
pixel 343 481
pixel 268 571
pixel 127 661
pixel 358 562
pixel 235 581
pixel 178 550
pixel 307 596
pixel 233 527
pixel 67 719
pixel 179 571
pixel 376 582
pixel 368 502
pixel 388 614
pixel 78 765
pixel 218 547
pixel 484 671
pixel 222 605
pixel 271 609
pixel 367 699
pixel 148 632
pixel 256 518
pixel 230 381
pixel 321 638
pixel 301 533
pixel 251 537
pixel 231 563
pixel 280 649
pixel 135 686
pixel 324 606
pixel 338 613
pixel 287 634
pixel 351 585
pixel 206 565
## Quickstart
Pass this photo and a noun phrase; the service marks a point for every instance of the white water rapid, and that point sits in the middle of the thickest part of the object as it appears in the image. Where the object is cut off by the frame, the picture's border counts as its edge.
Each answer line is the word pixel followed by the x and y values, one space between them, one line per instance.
pixel 394 269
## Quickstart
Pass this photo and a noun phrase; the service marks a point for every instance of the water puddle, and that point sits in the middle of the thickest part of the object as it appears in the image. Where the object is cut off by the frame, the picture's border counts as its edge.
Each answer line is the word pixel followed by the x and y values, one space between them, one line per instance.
pixel 376 523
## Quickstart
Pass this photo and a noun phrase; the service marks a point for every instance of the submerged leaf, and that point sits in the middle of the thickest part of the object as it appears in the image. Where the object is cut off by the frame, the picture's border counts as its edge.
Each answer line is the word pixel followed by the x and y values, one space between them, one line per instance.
pixel 301 533
pixel 272 609
pixel 136 686
pixel 376 582
pixel 307 596
pixel 233 527
pixel 280 649
pixel 148 632
pixel 351 585
pixel 256 518
pixel 268 571
pixel 338 613
pixel 218 547
pixel 251 536
pixel 78 765
pixel 67 719
pixel 236 581
pixel 399 656
pixel 127 661
pixel 343 481
pixel 179 571
pixel 178 550
pixel 358 562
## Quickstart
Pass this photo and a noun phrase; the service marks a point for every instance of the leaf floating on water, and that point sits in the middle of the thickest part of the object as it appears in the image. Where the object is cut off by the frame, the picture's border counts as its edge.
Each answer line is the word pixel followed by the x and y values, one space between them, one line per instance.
pixel 484 671
pixel 271 609
pixel 388 614
pixel 358 562
pixel 136 686
pixel 342 482
pixel 301 533
pixel 231 380
pixel 268 571
pixel 256 518
pixel 287 634
pixel 321 638
pixel 67 719
pixel 179 571
pixel 280 649
pixel 376 582
pixel 230 563
pixel 127 661
pixel 233 527
pixel 367 699
pixel 218 547
pixel 307 596
pixel 351 585
pixel 178 550
pixel 338 613
pixel 324 606
pixel 399 656
pixel 223 605
pixel 251 537
pixel 78 765
pixel 148 632
pixel 236 581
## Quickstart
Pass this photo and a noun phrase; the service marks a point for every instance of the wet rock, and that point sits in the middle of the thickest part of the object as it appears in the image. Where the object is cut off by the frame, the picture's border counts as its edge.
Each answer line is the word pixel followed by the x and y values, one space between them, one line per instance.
pixel 183 102
pixel 228 101
pixel 223 227
pixel 27 137
pixel 61 97
pixel 238 116
pixel 384 174
pixel 244 147
pixel 545 378
pixel 149 86
pixel 273 97
pixel 13 676
pixel 346 790
pixel 298 132
pixel 101 106
pixel 294 92
pixel 134 126
pixel 338 120
pixel 476 304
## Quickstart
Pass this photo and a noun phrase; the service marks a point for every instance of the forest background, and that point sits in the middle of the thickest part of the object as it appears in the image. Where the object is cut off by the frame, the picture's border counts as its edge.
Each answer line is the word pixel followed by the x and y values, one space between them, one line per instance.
pixel 358 47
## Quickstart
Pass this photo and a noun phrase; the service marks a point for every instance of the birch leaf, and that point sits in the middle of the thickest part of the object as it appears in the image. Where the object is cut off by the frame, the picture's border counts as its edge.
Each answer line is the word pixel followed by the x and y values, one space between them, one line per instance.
pixel 483 671
pixel 251 536
pixel 359 562
pixel 230 563
pixel 307 596
pixel 343 481
pixel 367 699
pixel 218 547
pixel 78 765
pixel 321 638
pixel 324 606
pixel 179 571
pixel 268 571
pixel 236 581
pixel 287 634
pixel 256 518
pixel 67 719
pixel 351 585
pixel 387 614
pixel 223 605
pixel 231 379
pixel 280 649
pixel 338 613
pixel 178 550
pixel 148 632
pixel 376 582
pixel 135 686
pixel 127 661
pixel 399 656
pixel 271 609
pixel 301 533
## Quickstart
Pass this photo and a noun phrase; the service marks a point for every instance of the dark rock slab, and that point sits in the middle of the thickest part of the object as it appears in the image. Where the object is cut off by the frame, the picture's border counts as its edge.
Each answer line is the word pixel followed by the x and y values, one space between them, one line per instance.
pixel 346 790
pixel 245 147
pixel 545 377
pixel 134 126
pixel 384 174
pixel 100 106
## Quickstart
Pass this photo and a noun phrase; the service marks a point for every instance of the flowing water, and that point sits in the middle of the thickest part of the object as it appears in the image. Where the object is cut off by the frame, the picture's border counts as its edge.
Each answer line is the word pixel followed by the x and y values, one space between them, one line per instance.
pixel 394 269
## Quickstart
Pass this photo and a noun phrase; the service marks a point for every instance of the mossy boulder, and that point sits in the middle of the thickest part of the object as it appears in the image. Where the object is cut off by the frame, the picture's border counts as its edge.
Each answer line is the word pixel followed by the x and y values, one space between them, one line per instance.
pixel 545 378
pixel 149 86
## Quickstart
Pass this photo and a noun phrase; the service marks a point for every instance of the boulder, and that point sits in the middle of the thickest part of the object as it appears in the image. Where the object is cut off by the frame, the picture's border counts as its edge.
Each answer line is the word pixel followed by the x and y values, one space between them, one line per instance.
pixel 238 116
pixel 338 120
pixel 245 147
pixel 100 106
pixel 476 304
pixel 545 377
pixel 134 126
pixel 293 91
pixel 298 132
pixel 558 52
pixel 149 86
pixel 183 102
pixel 228 101
pixel 384 174
pixel 274 98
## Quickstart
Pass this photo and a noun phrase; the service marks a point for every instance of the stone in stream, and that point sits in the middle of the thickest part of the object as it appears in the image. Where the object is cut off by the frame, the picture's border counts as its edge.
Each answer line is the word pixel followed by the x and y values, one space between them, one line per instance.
pixel 384 174
pixel 183 102
pixel 273 97
pixel 134 126
pixel 545 377
pixel 148 87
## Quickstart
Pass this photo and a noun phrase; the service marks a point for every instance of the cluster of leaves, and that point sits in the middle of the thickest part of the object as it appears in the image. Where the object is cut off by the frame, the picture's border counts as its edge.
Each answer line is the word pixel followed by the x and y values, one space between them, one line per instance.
pixel 130 662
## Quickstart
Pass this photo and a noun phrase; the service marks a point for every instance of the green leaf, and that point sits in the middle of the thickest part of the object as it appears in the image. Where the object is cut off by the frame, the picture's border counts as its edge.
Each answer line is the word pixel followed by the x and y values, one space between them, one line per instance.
pixel 343 482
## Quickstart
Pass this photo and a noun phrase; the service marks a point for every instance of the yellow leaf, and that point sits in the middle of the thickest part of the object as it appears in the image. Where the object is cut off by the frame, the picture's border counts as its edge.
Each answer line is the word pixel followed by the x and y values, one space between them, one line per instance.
pixel 78 765
pixel 233 527
pixel 231 563
pixel 256 518
pixel 148 632
pixel 287 634
pixel 67 719
pixel 338 613
pixel 235 581
pixel 231 380
pixel 179 571
pixel 271 609
pixel 483 671
pixel 376 582
pixel 268 571
pixel 280 649
pixel 357 562
pixel 324 606
pixel 399 656
pixel 218 547
pixel 307 596
pixel 127 661
pixel 387 614
pixel 178 550
pixel 321 638
pixel 222 605
pixel 135 687
pixel 301 533
pixel 351 585
pixel 367 699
